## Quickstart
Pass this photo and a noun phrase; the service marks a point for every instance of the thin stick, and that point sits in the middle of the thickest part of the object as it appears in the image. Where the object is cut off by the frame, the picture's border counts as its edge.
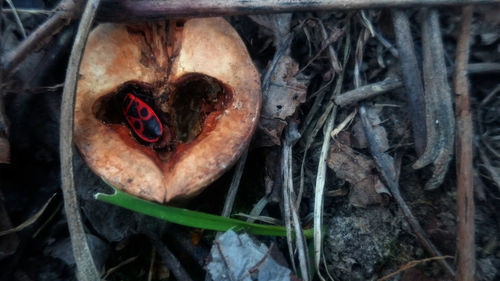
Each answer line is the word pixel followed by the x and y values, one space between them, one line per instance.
pixel 63 13
pixel 29 11
pixel 234 186
pixel 3 116
pixel 411 264
pixel 368 91
pixel 118 266
pixel 29 221
pixel 16 17
pixel 285 171
pixel 392 83
pixel 169 258
pixel 85 264
pixel 4 125
pixel 151 270
pixel 466 260
pixel 235 183
pixel 120 11
pixel 334 61
pixel 483 67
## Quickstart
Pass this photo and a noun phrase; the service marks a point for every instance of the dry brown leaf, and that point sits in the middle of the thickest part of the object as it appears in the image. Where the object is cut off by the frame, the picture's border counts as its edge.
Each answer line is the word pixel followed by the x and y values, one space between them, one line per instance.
pixel 282 90
pixel 285 93
pixel 356 169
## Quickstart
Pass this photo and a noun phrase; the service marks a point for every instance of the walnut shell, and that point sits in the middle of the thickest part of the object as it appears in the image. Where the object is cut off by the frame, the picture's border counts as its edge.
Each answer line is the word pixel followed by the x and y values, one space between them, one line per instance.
pixel 166 56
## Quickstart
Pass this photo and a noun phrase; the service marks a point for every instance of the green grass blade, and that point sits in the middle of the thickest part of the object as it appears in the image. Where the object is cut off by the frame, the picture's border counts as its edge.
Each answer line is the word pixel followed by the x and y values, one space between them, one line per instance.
pixel 190 218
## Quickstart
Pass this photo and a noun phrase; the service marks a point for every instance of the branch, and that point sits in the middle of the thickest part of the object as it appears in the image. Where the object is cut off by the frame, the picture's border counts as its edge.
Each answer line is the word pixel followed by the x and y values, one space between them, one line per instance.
pixel 466 261
pixel 127 10
pixel 85 264
pixel 368 91
pixel 169 258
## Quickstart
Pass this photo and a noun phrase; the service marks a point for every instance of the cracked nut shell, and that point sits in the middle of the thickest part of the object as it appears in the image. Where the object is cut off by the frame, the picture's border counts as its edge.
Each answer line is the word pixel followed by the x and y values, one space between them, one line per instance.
pixel 166 57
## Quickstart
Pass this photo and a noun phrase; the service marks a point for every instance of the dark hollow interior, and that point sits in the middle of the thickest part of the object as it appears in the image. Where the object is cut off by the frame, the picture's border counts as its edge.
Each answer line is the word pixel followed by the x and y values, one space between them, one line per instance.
pixel 188 103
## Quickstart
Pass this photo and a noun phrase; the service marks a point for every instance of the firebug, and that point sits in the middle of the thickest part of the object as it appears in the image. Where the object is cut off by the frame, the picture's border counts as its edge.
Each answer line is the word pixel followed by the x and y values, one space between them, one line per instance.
pixel 142 119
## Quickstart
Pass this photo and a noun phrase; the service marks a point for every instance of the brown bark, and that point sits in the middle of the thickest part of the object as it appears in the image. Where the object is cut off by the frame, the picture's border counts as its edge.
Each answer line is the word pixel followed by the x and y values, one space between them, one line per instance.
pixel 466 263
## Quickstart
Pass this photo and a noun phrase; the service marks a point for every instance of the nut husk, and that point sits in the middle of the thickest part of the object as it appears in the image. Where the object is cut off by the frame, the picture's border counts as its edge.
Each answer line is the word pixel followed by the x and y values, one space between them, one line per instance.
pixel 163 54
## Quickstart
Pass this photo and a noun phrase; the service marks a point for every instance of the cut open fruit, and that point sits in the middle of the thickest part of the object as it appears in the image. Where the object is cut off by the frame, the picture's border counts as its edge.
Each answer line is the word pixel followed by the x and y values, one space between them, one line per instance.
pixel 196 101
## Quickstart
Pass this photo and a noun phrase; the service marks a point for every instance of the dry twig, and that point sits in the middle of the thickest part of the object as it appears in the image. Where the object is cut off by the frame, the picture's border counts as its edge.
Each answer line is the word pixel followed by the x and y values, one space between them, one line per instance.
pixel 81 251
pixel 466 261
pixel 411 264
pixel 29 221
pixel 119 10
pixel 483 67
pixel 118 266
pixel 16 17
pixel 235 183
pixel 169 258
pixel 368 91
pixel 392 83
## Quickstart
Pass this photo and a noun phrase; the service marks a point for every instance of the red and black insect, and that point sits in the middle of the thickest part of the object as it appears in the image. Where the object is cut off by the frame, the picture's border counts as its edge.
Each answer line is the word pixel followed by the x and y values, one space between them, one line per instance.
pixel 142 118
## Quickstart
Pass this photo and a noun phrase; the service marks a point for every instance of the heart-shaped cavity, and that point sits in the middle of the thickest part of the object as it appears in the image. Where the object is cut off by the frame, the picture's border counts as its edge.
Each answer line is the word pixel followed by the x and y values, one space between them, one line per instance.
pixel 164 108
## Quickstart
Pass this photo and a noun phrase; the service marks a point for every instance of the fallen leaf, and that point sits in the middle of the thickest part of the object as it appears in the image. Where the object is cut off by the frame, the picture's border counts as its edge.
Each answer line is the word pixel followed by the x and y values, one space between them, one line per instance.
pixel 282 89
pixel 237 257
pixel 284 94
pixel 357 169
